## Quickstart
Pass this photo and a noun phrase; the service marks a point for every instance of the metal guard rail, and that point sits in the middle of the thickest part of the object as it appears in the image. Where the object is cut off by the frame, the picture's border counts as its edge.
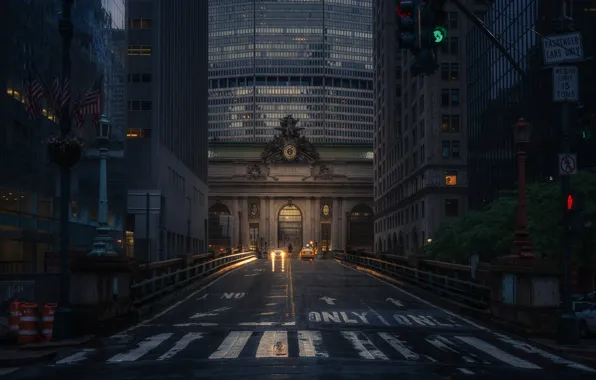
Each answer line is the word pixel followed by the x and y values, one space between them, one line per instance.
pixel 176 276
pixel 464 292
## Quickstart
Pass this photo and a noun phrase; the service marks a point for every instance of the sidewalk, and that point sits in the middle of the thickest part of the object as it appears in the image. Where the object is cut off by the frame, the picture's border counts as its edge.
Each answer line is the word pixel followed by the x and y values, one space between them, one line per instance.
pixel 18 355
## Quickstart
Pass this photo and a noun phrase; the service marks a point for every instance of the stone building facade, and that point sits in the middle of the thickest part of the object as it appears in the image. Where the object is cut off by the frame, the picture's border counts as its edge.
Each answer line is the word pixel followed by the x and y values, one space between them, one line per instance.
pixel 290 191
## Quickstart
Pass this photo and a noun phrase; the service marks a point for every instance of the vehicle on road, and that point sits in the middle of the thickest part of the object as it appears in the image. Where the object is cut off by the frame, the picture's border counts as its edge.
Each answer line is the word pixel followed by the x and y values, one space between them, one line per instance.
pixel 277 253
pixel 307 253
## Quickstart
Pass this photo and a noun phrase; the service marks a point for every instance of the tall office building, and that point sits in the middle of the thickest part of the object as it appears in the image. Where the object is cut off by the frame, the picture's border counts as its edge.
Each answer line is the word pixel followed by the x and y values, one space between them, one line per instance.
pixel 420 144
pixel 498 96
pixel 167 127
pixel 311 59
pixel 29 187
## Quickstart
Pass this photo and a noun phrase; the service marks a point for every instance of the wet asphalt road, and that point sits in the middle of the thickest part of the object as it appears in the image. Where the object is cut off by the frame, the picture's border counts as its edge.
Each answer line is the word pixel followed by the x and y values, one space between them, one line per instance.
pixel 292 319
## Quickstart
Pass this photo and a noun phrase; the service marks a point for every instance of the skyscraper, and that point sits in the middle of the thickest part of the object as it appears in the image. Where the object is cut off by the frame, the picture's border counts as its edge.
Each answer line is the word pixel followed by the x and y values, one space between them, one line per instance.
pixel 167 127
pixel 311 59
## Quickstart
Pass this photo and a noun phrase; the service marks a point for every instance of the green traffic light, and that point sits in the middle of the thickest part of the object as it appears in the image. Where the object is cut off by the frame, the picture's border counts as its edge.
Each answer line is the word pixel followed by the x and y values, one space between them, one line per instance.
pixel 439 34
pixel 586 134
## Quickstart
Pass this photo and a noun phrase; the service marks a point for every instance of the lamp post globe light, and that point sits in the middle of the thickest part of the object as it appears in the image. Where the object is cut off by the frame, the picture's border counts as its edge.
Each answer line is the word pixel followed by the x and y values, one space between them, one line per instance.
pixel 522 245
pixel 102 245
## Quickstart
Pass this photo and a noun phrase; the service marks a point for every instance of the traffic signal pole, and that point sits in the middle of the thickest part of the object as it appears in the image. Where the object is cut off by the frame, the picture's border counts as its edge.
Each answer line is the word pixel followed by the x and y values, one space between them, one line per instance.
pixel 472 17
pixel 568 328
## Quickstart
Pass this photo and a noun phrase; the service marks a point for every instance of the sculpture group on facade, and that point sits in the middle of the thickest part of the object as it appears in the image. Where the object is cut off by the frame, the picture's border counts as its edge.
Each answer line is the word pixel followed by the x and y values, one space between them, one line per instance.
pixel 289 145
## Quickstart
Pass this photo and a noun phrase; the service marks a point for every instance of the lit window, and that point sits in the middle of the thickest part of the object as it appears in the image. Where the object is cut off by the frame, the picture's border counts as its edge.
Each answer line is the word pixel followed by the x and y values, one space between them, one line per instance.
pixel 450 178
pixel 139 50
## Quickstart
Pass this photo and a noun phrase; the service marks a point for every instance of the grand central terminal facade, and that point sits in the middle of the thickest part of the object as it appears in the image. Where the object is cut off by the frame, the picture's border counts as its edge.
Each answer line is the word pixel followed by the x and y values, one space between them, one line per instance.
pixel 290 192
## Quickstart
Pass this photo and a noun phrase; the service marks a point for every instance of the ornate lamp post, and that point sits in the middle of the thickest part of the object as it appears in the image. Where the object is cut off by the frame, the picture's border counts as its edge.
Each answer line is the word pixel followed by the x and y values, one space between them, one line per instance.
pixel 102 246
pixel 521 244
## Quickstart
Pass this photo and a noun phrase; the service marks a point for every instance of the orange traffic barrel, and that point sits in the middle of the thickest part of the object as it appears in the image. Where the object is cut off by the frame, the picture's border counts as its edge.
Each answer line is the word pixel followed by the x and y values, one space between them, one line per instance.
pixel 14 317
pixel 48 320
pixel 28 324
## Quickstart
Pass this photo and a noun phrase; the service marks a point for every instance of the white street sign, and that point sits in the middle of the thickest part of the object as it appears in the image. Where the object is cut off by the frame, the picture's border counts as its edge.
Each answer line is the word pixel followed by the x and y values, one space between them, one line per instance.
pixel 567 164
pixel 329 300
pixel 562 48
pixel 565 84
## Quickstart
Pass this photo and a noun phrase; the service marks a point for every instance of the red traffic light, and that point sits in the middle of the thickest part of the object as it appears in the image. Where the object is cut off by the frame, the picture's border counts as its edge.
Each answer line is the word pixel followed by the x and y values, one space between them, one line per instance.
pixel 570 202
pixel 405 8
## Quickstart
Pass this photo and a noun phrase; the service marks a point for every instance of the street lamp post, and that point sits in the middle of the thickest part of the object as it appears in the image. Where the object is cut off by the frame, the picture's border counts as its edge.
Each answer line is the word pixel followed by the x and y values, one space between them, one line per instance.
pixel 522 245
pixel 102 246
pixel 63 318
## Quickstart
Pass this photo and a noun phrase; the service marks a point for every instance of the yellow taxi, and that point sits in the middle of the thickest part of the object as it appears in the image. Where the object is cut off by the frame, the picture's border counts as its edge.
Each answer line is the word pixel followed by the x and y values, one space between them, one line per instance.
pixel 307 253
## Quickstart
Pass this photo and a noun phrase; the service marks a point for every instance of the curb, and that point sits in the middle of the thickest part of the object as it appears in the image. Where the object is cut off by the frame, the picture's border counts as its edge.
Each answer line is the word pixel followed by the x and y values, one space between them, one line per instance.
pixel 24 360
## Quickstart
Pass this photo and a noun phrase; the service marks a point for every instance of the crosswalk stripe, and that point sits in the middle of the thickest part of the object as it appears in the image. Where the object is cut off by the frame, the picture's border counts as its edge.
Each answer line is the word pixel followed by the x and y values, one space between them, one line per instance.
pixel 232 345
pixel 445 344
pixel 399 346
pixel 143 348
pixel 366 349
pixel 273 344
pixel 310 344
pixel 77 357
pixel 496 353
pixel 181 345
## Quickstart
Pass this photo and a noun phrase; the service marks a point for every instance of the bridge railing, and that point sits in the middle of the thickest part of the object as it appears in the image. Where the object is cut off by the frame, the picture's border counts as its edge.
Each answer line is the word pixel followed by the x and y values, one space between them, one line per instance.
pixel 159 278
pixel 464 292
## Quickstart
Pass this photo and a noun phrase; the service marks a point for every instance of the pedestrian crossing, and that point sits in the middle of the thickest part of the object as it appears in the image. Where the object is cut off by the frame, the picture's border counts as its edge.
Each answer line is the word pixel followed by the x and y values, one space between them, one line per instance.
pixel 445 349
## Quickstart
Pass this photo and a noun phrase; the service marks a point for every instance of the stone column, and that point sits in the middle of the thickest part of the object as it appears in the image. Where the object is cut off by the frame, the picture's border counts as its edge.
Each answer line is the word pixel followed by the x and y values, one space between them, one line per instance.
pixel 309 220
pixel 245 225
pixel 335 224
pixel 317 213
pixel 263 218
pixel 272 224
pixel 344 224
pixel 234 211
pixel 340 224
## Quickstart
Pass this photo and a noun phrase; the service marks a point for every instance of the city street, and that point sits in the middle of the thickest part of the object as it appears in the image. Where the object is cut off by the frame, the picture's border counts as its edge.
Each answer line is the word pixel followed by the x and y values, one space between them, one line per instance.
pixel 286 318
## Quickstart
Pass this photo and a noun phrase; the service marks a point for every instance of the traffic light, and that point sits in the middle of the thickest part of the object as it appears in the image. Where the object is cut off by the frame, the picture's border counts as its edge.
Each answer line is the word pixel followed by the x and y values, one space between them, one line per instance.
pixel 432 33
pixel 585 120
pixel 571 204
pixel 407 12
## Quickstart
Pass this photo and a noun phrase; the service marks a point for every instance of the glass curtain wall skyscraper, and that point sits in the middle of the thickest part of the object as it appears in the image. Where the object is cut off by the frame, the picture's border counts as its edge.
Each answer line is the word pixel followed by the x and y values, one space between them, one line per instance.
pixel 309 58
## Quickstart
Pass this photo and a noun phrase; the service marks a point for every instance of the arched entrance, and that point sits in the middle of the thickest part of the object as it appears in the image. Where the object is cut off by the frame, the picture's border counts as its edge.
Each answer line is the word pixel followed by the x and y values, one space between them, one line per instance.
pixel 289 227
pixel 362 228
pixel 221 227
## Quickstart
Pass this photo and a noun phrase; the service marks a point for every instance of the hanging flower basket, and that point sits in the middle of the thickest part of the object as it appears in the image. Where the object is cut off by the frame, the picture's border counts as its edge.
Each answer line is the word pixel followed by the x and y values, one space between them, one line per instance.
pixel 65 151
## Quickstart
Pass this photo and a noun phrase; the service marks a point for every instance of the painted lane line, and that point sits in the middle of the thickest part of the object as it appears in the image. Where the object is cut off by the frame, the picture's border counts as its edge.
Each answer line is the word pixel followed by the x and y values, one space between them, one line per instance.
pixel 7 370
pixel 196 324
pixel 379 316
pixel 271 304
pixel 203 297
pixel 310 344
pixel 193 294
pixel 142 349
pixel 77 357
pixel 366 349
pixel 547 355
pixel 269 313
pixel 395 302
pixel 465 371
pixel 399 346
pixel 232 345
pixel 329 300
pixel 212 313
pixel 497 353
pixel 273 344
pixel 181 345
pixel 267 324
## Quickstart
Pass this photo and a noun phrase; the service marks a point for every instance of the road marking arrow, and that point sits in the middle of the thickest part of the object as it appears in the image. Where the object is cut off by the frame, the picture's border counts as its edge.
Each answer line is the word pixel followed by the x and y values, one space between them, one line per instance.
pixel 251 275
pixel 329 300
pixel 203 297
pixel 212 313
pixel 395 302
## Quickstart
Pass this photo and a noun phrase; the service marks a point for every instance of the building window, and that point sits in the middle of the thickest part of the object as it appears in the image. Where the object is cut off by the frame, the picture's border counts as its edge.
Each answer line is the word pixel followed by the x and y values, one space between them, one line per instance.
pixel 455 149
pixel 140 50
pixel 454 45
pixel 444 71
pixel 422 154
pixel 135 133
pixel 450 123
pixel 454 71
pixel 140 23
pixel 453 20
pixel 421 104
pixel 422 208
pixel 446 149
pixel 422 128
pixel 139 105
pixel 454 97
pixel 445 123
pixel 140 77
pixel 451 207
pixel 450 178
pixel 444 97
pixel 454 126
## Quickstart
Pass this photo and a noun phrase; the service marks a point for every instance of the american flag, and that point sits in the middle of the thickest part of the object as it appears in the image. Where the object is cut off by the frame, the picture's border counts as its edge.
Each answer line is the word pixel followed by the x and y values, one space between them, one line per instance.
pixel 65 98
pixel 34 95
pixel 56 95
pixel 91 102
